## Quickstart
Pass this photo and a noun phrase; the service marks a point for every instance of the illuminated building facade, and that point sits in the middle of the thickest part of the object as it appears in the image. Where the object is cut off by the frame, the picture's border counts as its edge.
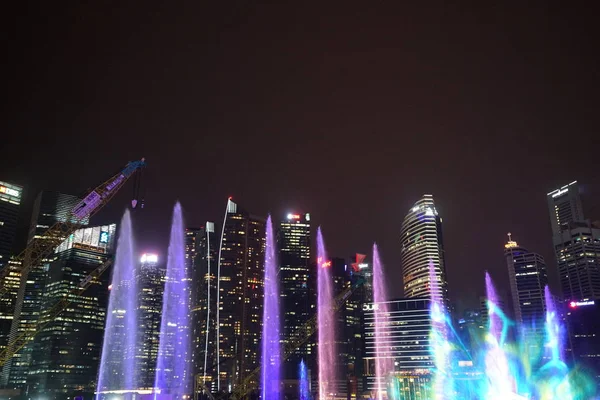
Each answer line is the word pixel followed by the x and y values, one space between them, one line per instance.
pixel 204 302
pixel 240 286
pixel 150 278
pixel 294 269
pixel 422 245
pixel 583 322
pixel 66 350
pixel 408 325
pixel 527 277
pixel 576 244
pixel 49 208
pixel 10 202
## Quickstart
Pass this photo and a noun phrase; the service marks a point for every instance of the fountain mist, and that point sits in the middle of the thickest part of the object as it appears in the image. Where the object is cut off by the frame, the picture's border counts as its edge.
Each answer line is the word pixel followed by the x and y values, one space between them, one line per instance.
pixel 384 363
pixel 120 337
pixel 271 357
pixel 326 320
pixel 303 378
pixel 172 366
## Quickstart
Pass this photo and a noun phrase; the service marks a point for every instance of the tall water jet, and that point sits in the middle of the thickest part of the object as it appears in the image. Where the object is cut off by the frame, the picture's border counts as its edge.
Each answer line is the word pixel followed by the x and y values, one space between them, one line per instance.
pixel 120 337
pixel 501 385
pixel 303 379
pixel 443 383
pixel 384 363
pixel 271 351
pixel 172 366
pixel 326 320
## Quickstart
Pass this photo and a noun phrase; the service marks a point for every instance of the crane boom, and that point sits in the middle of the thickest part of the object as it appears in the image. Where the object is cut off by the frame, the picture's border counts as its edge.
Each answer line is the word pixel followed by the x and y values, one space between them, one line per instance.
pixel 38 249
pixel 20 341
pixel 299 338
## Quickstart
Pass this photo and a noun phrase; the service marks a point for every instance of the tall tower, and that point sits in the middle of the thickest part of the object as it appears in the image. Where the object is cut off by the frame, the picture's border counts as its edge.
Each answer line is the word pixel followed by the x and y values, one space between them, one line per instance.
pixel 204 307
pixel 528 278
pixel 294 262
pixel 10 203
pixel 150 278
pixel 422 246
pixel 66 351
pixel 576 245
pixel 49 208
pixel 240 285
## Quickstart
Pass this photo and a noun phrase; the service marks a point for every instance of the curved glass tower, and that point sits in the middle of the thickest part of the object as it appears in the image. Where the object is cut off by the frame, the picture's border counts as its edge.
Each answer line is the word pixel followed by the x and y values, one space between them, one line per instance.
pixel 422 245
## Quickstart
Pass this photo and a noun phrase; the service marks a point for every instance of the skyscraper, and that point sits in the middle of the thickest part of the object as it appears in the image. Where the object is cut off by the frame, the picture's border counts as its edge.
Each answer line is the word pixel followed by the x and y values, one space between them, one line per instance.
pixel 408 326
pixel 203 306
pixel 576 244
pixel 150 278
pixel 527 277
pixel 66 351
pixel 10 202
pixel 422 246
pixel 48 209
pixel 294 268
pixel 240 286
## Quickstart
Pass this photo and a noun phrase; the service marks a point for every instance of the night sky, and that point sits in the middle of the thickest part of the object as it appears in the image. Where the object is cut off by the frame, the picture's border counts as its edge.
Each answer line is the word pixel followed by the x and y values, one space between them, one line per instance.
pixel 349 111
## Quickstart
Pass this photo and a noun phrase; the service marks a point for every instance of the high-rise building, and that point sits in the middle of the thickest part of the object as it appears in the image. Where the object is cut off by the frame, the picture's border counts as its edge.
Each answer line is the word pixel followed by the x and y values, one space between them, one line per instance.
pixel 150 277
pixel 583 322
pixel 422 246
pixel 565 206
pixel 294 269
pixel 48 209
pixel 576 244
pixel 10 202
pixel 240 285
pixel 7 301
pixel 203 306
pixel 527 277
pixel 66 350
pixel 408 326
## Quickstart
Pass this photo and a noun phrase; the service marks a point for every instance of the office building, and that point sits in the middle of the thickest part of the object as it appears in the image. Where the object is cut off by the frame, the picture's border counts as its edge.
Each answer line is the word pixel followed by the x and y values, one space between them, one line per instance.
pixel 408 326
pixel 150 277
pixel 422 247
pixel 293 239
pixel 11 282
pixel 10 202
pixel 203 307
pixel 583 323
pixel 527 277
pixel 576 245
pixel 240 285
pixel 67 347
pixel 48 209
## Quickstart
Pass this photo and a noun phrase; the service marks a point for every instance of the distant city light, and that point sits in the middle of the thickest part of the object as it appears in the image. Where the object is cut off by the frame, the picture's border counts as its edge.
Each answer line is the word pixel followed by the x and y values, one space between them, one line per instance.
pixel 147 257
pixel 326 264
pixel 363 265
pixel 293 216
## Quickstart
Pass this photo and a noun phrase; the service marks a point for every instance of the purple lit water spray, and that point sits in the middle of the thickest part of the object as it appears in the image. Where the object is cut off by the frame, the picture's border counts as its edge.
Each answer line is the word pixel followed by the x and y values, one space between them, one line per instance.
pixel 172 366
pixel 120 336
pixel 326 322
pixel 384 363
pixel 501 384
pixel 271 357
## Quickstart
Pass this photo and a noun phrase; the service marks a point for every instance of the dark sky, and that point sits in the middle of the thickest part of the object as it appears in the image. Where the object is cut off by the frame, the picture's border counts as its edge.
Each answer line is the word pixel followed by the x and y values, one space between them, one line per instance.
pixel 348 110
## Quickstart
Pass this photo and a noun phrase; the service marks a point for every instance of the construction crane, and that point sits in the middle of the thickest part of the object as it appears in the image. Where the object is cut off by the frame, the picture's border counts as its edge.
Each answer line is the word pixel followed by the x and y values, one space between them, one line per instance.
pixel 299 338
pixel 50 315
pixel 39 249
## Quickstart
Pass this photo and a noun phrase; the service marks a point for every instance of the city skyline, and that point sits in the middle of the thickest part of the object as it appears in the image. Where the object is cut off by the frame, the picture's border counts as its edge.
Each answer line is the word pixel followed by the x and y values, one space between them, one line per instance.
pixel 345 111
